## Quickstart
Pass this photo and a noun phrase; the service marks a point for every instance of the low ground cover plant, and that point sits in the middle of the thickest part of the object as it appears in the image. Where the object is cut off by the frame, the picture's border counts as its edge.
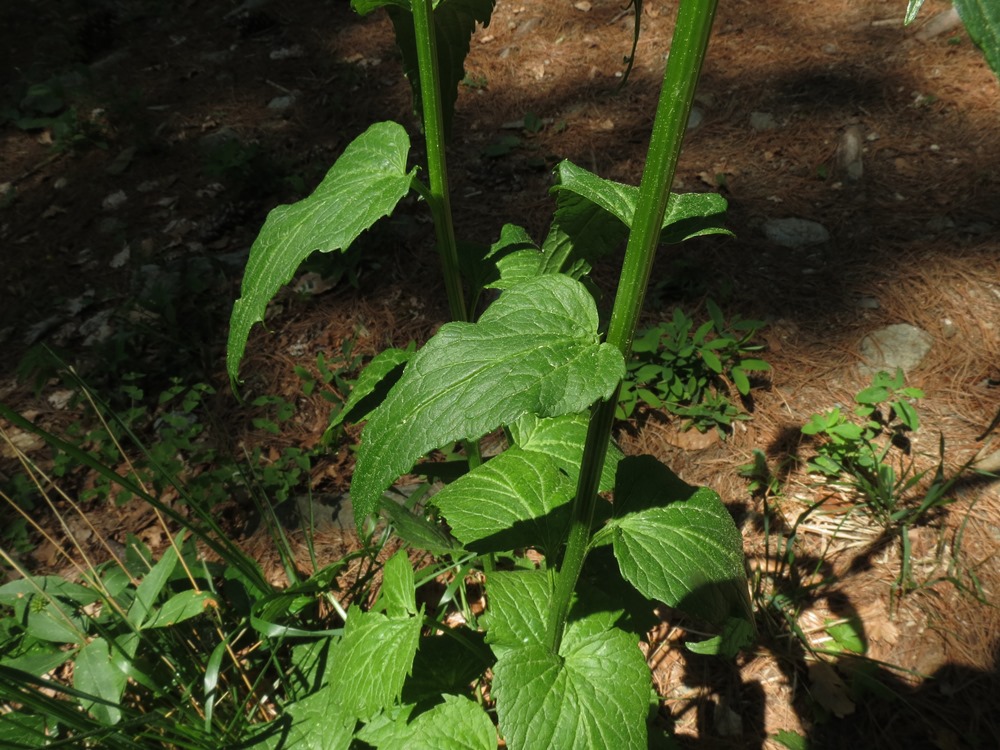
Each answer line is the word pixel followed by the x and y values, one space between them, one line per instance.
pixel 691 371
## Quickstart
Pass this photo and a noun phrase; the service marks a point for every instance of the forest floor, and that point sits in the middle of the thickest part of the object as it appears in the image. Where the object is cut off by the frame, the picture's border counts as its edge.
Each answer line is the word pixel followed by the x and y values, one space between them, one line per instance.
pixel 163 138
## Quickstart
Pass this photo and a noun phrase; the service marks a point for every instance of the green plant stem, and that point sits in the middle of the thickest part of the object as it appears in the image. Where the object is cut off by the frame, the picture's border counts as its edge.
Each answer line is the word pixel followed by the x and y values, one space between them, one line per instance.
pixel 437 169
pixel 438 197
pixel 687 52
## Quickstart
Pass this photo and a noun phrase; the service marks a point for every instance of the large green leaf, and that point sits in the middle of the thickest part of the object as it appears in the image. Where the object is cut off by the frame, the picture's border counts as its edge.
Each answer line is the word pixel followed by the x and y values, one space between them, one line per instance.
pixel 381 649
pixel 518 499
pixel 595 693
pixel 982 19
pixel 536 349
pixel 454 23
pixel 677 543
pixel 318 723
pixel 520 603
pixel 365 184
pixel 94 673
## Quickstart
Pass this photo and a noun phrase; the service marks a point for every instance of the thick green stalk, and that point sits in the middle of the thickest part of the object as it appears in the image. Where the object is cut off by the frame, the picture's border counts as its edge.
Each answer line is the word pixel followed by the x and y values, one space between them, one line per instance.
pixel 687 52
pixel 437 169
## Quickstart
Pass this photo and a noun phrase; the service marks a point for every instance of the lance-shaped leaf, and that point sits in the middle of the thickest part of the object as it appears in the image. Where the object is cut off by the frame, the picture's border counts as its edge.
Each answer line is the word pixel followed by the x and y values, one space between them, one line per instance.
pixel 518 499
pixel 982 20
pixel 594 693
pixel 365 184
pixel 454 23
pixel 677 543
pixel 536 349
pixel 593 216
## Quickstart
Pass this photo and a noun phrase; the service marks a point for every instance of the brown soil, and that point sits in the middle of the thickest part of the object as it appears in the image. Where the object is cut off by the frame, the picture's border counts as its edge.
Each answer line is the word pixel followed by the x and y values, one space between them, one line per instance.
pixel 915 239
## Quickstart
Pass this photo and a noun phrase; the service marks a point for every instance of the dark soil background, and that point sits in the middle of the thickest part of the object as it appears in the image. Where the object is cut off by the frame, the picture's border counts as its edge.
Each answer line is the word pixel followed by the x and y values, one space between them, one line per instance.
pixel 133 182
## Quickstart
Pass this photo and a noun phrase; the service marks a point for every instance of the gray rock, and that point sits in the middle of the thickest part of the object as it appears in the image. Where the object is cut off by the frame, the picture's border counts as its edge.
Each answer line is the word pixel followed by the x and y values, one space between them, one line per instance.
pixel 695 118
pixel 794 232
pixel 899 345
pixel 281 103
pixel 762 121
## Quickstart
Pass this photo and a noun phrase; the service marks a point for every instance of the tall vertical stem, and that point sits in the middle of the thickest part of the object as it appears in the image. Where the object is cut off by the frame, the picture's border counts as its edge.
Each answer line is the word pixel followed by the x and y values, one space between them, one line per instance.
pixel 437 168
pixel 687 53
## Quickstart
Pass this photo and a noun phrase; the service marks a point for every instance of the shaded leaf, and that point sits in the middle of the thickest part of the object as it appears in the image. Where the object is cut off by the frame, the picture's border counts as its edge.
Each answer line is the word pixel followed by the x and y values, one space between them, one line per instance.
pixel 454 23
pixel 518 499
pixel 380 648
pixel 95 674
pixel 373 384
pixel 678 544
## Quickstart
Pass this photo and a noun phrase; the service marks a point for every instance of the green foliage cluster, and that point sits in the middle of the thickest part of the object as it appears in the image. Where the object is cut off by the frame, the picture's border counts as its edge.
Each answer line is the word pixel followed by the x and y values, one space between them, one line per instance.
pixel 873 455
pixel 687 370
pixel 537 366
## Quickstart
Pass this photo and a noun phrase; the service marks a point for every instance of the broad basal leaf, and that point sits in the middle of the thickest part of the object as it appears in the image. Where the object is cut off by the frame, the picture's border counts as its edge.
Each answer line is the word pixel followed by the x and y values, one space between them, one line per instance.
pixel 536 349
pixel 677 543
pixel 369 664
pixel 518 499
pixel 593 694
pixel 364 185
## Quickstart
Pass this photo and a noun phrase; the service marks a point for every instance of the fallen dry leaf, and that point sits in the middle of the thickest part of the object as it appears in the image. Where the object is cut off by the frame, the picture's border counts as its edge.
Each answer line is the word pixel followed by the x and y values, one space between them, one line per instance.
pixel 829 690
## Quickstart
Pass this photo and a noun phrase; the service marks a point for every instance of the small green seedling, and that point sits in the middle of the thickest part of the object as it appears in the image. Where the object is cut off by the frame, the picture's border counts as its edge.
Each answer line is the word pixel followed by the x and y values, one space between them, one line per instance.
pixel 689 370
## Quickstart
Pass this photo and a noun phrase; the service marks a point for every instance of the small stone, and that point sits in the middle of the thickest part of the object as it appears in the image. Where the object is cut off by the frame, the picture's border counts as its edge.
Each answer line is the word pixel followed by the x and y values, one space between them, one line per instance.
pixel 280 103
pixel 794 232
pixel 114 201
pixel 849 152
pixel 288 53
pixel 695 118
pixel 868 303
pixel 937 224
pixel 583 5
pixel 121 258
pixel 899 345
pixel 122 161
pixel 939 24
pixel 762 121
